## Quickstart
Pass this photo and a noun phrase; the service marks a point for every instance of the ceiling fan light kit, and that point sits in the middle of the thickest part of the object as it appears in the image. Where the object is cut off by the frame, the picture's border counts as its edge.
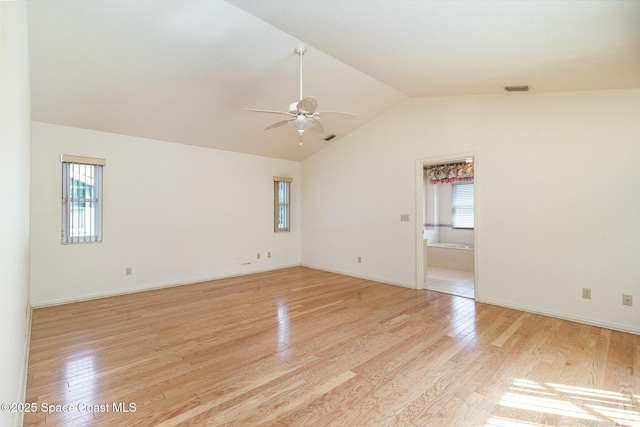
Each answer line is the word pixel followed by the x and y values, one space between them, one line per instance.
pixel 302 114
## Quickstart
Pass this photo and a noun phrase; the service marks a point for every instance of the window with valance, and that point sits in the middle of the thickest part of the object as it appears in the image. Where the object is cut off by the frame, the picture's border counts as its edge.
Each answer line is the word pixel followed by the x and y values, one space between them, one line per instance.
pixel 450 173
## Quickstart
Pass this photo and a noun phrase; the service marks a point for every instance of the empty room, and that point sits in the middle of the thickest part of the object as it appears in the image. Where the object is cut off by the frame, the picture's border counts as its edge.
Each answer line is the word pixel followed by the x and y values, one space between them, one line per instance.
pixel 319 213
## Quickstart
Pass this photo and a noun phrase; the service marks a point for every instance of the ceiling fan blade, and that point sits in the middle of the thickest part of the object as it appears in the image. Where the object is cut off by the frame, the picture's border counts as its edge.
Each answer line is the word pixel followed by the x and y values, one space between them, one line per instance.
pixel 268 111
pixel 317 127
pixel 307 105
pixel 334 114
pixel 277 124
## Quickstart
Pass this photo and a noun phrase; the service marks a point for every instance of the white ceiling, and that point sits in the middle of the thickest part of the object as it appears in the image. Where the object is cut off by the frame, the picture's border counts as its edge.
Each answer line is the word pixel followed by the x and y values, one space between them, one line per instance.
pixel 186 70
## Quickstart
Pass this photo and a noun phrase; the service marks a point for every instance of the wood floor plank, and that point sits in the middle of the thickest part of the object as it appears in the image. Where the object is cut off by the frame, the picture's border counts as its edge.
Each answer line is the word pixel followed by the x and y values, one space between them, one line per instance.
pixel 303 347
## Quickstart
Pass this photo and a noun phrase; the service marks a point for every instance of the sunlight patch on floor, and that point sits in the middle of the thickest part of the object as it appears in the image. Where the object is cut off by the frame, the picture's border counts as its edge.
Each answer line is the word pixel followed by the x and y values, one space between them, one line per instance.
pixel 528 401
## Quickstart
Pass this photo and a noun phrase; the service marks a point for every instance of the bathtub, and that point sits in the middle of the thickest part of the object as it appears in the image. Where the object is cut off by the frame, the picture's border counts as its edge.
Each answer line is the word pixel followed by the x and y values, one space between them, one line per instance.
pixel 453 256
pixel 452 246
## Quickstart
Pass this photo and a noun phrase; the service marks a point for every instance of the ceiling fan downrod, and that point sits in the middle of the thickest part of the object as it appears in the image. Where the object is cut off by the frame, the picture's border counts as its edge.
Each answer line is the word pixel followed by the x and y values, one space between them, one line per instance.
pixel 300 50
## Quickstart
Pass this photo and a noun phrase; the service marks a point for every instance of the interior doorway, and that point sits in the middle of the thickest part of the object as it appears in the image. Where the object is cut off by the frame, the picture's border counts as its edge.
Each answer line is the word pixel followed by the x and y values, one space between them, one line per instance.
pixel 447 230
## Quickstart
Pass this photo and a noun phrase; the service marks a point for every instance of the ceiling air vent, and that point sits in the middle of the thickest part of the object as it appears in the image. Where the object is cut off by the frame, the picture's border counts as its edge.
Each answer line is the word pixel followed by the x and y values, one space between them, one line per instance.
pixel 329 137
pixel 521 88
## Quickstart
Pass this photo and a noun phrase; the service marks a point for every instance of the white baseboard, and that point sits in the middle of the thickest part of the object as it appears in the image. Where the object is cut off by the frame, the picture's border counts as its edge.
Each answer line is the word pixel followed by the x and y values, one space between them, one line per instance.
pixel 593 322
pixel 154 286
pixel 564 316
pixel 22 392
pixel 360 276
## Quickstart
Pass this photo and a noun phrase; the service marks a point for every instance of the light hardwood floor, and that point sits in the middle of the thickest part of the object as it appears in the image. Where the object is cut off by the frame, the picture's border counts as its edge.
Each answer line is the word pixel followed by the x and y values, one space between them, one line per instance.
pixel 303 347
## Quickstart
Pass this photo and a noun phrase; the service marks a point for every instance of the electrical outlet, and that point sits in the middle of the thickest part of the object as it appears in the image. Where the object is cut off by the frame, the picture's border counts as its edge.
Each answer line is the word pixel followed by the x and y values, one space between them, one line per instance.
pixel 627 299
pixel 586 293
pixel 129 271
pixel 359 260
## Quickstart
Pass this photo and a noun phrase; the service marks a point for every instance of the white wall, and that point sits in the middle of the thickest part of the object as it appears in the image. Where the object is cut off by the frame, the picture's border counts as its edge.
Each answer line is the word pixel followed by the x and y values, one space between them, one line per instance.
pixel 557 184
pixel 15 120
pixel 174 213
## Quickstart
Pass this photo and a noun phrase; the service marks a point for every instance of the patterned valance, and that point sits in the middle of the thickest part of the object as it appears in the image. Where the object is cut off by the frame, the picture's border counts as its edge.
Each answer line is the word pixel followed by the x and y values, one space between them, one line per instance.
pixel 452 172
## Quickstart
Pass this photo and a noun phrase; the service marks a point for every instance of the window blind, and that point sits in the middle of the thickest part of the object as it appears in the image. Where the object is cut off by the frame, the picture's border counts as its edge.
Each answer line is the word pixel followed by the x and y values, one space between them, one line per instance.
pixel 81 199
pixel 462 205
pixel 282 204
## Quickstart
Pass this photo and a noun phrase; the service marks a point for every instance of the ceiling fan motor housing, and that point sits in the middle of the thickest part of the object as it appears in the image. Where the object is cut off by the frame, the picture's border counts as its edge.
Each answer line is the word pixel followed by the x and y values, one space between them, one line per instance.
pixel 293 108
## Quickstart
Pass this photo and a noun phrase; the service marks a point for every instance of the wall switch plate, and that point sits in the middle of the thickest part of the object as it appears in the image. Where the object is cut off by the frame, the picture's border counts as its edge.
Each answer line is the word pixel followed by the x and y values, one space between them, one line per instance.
pixel 627 299
pixel 586 293
pixel 359 260
pixel 129 271
pixel 258 256
pixel 268 254
pixel 404 217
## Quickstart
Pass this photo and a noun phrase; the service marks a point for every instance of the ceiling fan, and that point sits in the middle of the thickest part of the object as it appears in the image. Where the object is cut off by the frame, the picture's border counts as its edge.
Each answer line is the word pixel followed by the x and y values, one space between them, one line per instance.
pixel 302 114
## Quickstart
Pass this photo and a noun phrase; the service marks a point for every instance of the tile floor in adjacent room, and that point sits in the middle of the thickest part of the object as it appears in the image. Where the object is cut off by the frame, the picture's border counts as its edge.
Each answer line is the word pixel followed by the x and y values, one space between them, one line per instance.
pixel 453 282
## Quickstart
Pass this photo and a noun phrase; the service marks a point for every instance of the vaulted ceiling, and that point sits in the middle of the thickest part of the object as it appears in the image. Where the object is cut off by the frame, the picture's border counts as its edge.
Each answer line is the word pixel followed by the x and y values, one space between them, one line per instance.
pixel 186 70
